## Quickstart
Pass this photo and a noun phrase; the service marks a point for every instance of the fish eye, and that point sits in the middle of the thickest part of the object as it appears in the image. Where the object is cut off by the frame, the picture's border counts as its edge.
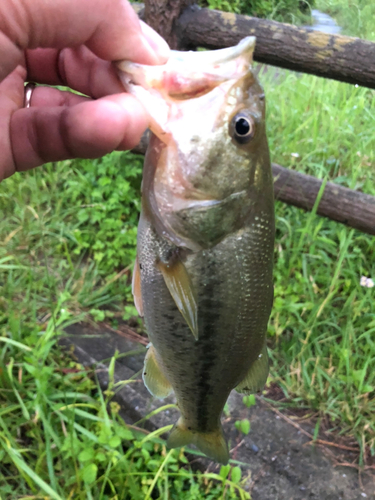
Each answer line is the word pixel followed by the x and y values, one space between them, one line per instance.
pixel 242 128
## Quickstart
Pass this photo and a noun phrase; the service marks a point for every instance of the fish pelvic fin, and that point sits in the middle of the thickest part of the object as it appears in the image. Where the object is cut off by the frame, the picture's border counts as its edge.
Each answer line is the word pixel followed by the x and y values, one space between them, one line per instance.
pixel 136 288
pixel 181 288
pixel 153 376
pixel 213 444
pixel 256 377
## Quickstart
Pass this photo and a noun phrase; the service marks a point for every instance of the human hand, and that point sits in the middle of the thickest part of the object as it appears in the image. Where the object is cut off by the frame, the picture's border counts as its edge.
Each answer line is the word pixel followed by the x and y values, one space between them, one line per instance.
pixel 69 43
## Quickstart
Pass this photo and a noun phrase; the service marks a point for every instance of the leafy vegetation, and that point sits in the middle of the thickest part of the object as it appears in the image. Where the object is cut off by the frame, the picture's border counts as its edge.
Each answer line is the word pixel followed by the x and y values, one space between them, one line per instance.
pixel 292 11
pixel 67 243
pixel 106 193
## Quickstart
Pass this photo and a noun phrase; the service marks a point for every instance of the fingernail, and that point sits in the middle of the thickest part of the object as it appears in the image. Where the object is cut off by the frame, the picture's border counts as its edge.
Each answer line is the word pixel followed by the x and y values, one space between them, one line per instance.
pixel 156 42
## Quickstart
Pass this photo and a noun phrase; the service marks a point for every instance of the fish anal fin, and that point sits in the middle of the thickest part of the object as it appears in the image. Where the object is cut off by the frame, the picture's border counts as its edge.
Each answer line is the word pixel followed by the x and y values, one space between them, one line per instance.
pixel 181 288
pixel 136 288
pixel 153 376
pixel 257 375
pixel 213 444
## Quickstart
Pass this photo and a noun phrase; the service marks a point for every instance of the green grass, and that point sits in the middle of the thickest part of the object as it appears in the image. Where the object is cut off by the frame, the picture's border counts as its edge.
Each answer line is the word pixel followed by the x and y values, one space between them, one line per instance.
pixel 322 322
pixel 67 243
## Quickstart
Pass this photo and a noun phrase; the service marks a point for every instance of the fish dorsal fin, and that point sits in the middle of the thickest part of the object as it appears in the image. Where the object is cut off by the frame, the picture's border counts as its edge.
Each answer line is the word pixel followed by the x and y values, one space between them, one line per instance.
pixel 136 288
pixel 153 376
pixel 257 375
pixel 181 288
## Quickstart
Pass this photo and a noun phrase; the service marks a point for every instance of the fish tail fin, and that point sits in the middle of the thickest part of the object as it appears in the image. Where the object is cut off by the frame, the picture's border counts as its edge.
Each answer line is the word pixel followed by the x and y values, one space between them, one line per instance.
pixel 213 443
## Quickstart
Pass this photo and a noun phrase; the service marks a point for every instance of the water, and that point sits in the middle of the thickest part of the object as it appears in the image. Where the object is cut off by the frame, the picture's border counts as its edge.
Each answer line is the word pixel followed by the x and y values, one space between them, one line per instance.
pixel 323 22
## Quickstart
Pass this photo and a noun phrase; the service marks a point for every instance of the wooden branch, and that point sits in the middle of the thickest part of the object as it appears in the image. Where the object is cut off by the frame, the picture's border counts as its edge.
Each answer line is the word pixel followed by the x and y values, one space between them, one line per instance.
pixel 341 204
pixel 353 208
pixel 338 57
pixel 162 15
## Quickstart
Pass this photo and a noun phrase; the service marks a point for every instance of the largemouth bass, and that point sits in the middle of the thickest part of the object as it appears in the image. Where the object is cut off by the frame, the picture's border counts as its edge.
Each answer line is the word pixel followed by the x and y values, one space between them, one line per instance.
pixel 203 276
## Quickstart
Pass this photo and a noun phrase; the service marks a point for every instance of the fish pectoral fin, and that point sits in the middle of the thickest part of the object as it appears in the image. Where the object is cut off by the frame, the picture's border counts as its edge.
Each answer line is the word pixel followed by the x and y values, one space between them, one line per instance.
pixel 153 376
pixel 136 288
pixel 213 444
pixel 256 376
pixel 181 288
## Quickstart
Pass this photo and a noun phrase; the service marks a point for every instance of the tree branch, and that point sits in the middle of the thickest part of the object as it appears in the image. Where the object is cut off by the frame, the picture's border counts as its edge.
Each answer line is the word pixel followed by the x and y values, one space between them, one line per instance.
pixel 338 57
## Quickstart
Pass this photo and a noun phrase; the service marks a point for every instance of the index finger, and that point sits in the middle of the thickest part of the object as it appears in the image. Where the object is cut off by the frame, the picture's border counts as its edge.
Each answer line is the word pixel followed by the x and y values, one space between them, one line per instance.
pixel 111 30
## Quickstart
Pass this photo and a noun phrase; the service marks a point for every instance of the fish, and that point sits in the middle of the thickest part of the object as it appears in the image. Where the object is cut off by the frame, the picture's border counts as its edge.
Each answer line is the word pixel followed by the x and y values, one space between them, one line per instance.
pixel 203 278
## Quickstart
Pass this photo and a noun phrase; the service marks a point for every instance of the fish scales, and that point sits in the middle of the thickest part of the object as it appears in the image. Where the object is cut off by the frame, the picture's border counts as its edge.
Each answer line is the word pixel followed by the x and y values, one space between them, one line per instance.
pixel 234 306
pixel 205 242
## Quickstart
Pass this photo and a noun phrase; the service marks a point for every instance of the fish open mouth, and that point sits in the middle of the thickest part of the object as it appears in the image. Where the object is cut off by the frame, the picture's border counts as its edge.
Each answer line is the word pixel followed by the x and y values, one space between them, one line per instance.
pixel 186 75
